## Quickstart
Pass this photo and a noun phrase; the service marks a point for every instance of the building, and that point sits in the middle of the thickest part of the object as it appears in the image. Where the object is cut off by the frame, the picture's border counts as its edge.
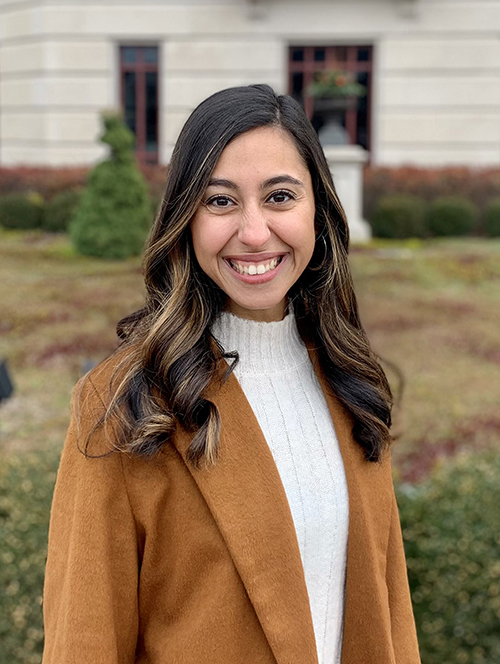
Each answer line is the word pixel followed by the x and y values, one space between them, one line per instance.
pixel 431 69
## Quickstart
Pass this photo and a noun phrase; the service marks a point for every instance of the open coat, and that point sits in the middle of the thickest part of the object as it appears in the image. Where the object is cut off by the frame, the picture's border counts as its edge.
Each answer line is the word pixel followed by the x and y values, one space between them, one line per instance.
pixel 156 562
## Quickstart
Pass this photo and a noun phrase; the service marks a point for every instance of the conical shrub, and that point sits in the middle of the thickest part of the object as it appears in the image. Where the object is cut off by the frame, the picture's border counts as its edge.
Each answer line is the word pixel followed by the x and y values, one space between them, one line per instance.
pixel 114 215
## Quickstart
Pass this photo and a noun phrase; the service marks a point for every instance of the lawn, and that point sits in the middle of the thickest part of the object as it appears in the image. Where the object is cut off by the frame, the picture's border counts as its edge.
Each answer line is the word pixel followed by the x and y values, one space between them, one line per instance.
pixel 431 310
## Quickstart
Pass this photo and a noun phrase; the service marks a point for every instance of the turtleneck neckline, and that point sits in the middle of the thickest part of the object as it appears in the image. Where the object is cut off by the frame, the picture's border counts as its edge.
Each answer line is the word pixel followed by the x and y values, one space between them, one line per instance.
pixel 263 347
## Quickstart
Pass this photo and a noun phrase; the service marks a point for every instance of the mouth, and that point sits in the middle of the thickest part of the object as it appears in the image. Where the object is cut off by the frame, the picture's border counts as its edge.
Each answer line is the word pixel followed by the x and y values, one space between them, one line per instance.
pixel 255 272
pixel 252 268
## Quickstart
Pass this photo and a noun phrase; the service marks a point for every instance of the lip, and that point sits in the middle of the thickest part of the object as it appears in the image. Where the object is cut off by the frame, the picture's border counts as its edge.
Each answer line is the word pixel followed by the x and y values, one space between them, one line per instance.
pixel 255 279
pixel 255 258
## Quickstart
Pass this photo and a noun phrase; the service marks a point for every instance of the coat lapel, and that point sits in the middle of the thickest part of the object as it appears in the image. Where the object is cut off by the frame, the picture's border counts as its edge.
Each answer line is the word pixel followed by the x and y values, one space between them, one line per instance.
pixel 367 631
pixel 245 494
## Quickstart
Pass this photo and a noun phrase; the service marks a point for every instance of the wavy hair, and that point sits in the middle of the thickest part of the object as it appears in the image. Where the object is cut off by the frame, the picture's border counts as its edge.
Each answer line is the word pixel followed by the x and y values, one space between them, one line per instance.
pixel 161 381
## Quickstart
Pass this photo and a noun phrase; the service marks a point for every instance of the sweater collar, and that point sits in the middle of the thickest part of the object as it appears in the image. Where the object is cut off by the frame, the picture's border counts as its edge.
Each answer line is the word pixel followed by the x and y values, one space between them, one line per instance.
pixel 262 347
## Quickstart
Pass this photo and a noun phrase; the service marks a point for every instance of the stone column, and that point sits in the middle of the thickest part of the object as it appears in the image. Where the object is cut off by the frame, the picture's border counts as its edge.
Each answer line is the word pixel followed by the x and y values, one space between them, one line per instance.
pixel 346 166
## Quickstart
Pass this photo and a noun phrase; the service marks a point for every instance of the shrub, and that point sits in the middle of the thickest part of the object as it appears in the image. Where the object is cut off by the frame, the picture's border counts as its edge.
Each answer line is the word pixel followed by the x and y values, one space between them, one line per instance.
pixel 59 211
pixel 451 529
pixel 491 218
pixel 49 181
pixel 26 485
pixel 399 216
pixel 114 216
pixel 45 180
pixel 451 216
pixel 478 185
pixel 22 211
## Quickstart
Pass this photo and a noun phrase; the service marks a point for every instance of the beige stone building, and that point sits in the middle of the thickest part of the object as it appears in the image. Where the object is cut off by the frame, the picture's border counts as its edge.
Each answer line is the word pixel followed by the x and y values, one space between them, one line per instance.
pixel 431 69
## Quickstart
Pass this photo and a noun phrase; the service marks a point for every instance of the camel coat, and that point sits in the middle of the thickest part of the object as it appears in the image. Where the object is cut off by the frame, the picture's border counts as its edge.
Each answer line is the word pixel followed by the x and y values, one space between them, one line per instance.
pixel 154 562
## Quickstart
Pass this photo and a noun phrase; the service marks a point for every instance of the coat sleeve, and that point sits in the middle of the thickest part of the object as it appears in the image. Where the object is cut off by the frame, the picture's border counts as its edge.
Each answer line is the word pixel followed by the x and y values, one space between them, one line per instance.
pixel 90 601
pixel 404 636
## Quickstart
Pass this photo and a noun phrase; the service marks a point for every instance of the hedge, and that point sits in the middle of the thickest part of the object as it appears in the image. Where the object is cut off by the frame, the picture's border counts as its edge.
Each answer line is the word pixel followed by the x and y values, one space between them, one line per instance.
pixel 478 185
pixel 59 211
pixel 49 181
pixel 399 216
pixel 451 529
pixel 451 216
pixel 21 211
pixel 26 485
pixel 491 218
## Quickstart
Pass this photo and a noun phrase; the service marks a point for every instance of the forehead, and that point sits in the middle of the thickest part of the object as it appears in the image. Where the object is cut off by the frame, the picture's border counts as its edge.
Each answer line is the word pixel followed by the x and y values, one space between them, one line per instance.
pixel 260 150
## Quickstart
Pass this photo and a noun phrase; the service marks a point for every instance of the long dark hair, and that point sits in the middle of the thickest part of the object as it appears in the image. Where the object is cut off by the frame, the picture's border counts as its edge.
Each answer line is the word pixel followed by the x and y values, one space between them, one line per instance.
pixel 172 358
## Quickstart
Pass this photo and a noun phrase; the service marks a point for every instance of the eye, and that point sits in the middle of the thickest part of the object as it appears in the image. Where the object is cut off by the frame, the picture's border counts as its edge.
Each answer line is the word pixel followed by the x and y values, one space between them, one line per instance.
pixel 282 196
pixel 219 202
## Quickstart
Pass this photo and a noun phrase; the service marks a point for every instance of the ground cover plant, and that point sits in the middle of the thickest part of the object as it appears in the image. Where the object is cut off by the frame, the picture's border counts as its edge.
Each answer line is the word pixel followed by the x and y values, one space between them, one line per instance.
pixel 429 307
pixel 451 529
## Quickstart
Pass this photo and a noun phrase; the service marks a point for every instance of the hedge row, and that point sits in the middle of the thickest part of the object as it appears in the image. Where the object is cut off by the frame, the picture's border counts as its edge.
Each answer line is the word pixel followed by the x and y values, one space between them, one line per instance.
pixel 451 529
pixel 477 185
pixel 405 215
pixel 46 198
pixel 48 181
pixel 28 211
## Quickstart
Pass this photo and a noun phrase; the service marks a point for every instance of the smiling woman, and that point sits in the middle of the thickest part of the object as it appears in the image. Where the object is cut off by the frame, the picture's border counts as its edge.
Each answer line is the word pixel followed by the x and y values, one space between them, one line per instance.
pixel 225 494
pixel 252 236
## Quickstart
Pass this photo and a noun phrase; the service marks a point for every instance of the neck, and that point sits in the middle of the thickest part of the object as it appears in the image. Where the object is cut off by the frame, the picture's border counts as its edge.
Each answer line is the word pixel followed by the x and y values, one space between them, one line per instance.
pixel 262 346
pixel 269 315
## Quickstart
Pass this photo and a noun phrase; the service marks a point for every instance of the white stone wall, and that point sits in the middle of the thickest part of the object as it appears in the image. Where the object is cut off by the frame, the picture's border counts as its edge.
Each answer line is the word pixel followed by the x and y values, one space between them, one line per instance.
pixel 439 100
pixel 436 97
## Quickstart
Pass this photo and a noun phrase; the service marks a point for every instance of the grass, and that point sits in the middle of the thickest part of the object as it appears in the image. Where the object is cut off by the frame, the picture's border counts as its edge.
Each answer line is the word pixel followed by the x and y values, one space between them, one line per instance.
pixel 430 310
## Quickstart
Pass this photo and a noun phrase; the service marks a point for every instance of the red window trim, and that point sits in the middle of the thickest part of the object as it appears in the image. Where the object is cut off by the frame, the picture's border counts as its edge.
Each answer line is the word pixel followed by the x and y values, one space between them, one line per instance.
pixel 140 68
pixel 309 66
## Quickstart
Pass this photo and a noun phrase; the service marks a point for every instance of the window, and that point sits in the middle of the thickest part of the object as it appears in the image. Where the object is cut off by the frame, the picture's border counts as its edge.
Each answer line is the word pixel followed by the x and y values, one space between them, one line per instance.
pixel 305 61
pixel 139 98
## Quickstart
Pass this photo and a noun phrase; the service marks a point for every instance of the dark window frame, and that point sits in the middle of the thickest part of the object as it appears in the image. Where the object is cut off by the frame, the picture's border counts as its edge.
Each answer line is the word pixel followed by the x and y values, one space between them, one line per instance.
pixel 141 68
pixel 342 57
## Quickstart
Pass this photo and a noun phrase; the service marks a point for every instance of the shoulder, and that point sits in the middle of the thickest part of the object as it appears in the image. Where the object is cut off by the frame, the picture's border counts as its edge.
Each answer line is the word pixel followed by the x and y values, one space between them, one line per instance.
pixel 98 385
pixel 91 398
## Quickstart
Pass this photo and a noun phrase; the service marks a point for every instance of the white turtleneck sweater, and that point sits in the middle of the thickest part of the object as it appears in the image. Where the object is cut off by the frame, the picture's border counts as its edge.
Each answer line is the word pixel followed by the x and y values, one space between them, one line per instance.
pixel 277 377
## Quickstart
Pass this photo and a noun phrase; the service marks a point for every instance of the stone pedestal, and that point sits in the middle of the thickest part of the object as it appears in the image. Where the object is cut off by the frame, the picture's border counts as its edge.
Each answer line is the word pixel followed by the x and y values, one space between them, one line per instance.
pixel 346 166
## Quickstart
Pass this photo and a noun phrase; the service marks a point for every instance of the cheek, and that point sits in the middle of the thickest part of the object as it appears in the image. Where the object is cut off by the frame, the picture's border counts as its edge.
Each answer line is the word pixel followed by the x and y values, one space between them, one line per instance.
pixel 208 239
pixel 300 234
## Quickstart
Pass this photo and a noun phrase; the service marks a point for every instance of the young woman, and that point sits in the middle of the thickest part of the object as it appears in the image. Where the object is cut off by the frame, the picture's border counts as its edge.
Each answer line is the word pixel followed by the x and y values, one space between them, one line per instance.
pixel 224 495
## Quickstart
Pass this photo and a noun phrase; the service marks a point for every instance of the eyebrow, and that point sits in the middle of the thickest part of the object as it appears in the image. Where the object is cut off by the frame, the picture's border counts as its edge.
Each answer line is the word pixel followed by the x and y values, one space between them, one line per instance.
pixel 270 182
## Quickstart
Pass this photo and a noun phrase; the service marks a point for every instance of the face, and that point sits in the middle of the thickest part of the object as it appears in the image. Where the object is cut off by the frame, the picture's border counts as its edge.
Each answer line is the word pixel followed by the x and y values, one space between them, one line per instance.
pixel 253 234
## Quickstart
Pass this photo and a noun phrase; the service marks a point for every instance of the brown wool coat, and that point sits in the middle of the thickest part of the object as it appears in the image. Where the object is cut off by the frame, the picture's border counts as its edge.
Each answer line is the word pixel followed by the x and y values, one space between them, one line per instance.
pixel 157 563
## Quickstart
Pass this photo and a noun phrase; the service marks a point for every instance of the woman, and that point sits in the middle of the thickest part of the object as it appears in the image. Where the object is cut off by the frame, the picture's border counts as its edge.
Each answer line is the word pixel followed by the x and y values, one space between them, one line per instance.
pixel 233 502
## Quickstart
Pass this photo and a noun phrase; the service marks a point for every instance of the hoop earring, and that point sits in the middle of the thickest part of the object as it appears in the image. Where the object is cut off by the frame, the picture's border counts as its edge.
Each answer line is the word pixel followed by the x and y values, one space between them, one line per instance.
pixel 320 266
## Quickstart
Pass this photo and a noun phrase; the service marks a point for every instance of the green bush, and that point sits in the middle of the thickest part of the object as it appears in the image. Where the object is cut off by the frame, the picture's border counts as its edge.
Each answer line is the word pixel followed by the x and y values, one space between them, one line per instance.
pixel 451 216
pixel 451 528
pixel 59 211
pixel 22 211
pixel 491 218
pixel 114 216
pixel 399 216
pixel 26 485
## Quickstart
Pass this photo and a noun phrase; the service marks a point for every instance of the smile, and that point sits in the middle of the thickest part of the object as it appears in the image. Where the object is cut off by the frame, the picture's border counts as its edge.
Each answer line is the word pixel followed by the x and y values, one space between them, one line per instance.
pixel 255 268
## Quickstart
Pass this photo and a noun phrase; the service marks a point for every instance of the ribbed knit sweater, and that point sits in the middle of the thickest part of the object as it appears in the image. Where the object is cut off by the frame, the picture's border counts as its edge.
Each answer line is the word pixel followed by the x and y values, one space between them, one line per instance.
pixel 277 377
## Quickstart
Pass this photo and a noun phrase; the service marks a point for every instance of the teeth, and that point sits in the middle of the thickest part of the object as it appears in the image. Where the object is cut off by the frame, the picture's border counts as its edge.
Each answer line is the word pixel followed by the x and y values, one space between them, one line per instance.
pixel 255 268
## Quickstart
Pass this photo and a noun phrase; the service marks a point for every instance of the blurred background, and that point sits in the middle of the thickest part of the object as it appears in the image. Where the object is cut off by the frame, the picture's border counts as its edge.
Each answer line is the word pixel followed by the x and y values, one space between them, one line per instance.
pixel 405 96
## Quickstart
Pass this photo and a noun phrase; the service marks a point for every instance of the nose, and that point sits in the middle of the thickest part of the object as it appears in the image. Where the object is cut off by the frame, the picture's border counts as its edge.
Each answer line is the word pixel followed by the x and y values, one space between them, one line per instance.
pixel 253 229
